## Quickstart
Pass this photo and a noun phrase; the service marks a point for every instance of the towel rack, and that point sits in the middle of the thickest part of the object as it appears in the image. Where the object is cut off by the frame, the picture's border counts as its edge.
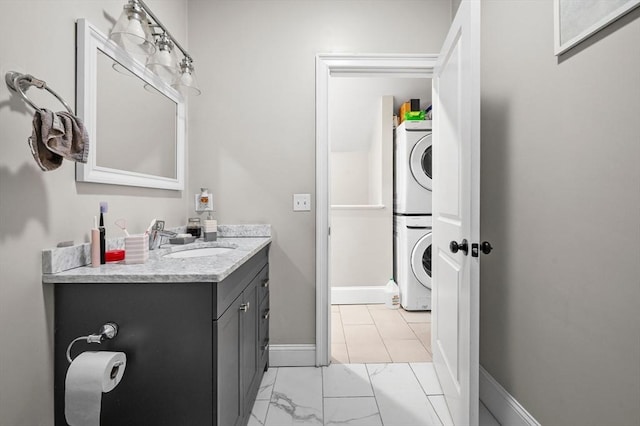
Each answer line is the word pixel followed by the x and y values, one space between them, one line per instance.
pixel 19 83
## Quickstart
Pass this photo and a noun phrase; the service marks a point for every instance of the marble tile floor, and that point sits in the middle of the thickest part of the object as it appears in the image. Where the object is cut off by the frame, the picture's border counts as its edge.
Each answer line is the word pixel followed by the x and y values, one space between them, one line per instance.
pixel 374 334
pixel 398 394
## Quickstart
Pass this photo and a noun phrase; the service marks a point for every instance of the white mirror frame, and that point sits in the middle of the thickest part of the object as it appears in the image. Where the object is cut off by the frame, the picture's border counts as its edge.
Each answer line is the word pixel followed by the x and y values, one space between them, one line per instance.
pixel 88 40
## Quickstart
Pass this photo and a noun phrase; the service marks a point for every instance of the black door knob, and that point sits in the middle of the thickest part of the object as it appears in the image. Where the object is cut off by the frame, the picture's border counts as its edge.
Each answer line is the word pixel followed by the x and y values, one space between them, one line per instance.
pixel 485 247
pixel 463 246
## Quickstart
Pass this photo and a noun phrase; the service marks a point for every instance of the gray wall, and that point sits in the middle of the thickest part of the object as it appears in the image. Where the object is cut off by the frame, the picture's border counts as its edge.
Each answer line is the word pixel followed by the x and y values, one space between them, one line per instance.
pixel 560 181
pixel 37 209
pixel 455 4
pixel 561 204
pixel 253 129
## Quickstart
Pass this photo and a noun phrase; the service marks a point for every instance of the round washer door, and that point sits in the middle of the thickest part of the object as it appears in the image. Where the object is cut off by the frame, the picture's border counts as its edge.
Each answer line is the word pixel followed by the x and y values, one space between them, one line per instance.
pixel 420 162
pixel 421 260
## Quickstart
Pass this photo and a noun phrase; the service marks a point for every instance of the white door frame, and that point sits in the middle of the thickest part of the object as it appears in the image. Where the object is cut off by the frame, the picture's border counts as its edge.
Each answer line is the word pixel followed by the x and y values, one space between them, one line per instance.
pixel 327 65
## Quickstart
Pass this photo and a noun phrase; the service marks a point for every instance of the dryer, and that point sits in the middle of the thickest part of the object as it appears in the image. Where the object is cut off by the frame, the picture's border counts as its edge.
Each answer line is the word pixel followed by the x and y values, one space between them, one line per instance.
pixel 412 260
pixel 412 168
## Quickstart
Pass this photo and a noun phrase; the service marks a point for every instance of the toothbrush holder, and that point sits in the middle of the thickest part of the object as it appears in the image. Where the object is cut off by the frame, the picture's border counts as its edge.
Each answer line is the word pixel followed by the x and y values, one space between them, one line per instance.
pixel 136 249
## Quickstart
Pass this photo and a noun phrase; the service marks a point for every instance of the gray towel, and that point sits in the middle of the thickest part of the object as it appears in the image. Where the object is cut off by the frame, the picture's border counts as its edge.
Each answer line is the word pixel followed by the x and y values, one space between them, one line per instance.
pixel 58 135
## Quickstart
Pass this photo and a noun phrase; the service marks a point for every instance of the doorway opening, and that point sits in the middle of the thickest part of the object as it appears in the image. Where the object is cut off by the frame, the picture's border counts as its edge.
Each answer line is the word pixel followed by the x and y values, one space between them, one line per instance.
pixel 354 239
pixel 363 115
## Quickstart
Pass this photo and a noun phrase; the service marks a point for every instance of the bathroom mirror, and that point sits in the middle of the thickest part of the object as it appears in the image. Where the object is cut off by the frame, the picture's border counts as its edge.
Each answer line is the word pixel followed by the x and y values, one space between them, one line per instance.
pixel 135 120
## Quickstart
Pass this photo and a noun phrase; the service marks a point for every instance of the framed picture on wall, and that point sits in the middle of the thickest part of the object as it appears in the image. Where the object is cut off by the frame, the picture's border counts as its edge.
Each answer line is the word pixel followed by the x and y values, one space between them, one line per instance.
pixel 576 20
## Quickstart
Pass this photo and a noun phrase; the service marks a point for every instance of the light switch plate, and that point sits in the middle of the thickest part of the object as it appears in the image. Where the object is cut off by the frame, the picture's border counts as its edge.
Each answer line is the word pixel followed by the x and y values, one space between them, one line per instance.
pixel 301 202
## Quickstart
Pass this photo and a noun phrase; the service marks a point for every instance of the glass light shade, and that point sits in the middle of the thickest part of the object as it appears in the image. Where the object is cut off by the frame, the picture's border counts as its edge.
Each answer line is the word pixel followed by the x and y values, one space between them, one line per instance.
pixel 132 31
pixel 164 62
pixel 185 81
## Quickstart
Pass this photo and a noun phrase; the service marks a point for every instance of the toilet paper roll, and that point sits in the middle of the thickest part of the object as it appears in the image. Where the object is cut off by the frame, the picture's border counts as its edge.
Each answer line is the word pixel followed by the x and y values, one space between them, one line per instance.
pixel 89 376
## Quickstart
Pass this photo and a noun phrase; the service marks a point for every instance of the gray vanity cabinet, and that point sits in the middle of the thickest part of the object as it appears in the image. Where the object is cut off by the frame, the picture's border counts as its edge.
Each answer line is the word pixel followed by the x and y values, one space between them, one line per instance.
pixel 263 322
pixel 249 344
pixel 238 363
pixel 195 351
pixel 227 329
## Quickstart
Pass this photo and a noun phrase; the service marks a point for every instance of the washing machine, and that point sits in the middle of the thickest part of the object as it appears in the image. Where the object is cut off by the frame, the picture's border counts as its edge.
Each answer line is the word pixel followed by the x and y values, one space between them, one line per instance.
pixel 412 260
pixel 412 168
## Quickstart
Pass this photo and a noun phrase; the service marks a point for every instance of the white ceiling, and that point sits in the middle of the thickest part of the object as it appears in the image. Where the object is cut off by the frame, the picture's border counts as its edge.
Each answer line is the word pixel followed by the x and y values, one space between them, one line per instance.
pixel 354 103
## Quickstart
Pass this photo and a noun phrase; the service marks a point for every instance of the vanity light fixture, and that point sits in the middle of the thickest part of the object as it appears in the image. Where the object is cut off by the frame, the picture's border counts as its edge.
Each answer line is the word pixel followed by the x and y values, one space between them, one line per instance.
pixel 185 80
pixel 133 32
pixel 164 61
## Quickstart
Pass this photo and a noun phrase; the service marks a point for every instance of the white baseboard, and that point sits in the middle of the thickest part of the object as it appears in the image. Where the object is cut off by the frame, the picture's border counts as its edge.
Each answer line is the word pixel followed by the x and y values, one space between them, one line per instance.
pixel 303 355
pixel 504 407
pixel 357 295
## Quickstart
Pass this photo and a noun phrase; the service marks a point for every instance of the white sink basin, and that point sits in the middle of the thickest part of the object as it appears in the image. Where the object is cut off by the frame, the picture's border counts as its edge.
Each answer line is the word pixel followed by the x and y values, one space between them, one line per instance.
pixel 200 252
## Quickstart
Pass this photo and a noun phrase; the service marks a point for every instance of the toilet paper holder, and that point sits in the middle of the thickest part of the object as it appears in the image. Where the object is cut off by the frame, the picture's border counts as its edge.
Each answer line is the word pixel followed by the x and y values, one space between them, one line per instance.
pixel 109 330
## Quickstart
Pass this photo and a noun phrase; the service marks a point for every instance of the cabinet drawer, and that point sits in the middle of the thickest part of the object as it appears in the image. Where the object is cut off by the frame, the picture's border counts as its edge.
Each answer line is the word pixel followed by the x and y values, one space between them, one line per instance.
pixel 263 329
pixel 263 285
pixel 226 291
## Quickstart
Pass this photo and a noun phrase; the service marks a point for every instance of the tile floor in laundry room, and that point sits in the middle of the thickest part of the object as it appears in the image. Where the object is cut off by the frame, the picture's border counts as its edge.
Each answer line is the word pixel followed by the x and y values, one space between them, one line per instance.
pixel 372 381
pixel 374 333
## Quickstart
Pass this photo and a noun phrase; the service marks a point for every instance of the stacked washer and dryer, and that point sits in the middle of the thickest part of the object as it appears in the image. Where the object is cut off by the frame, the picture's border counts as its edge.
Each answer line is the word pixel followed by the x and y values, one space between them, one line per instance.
pixel 412 214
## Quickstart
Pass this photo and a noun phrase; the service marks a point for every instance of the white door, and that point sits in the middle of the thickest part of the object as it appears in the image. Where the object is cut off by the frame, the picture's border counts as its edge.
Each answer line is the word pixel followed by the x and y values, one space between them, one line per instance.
pixel 456 186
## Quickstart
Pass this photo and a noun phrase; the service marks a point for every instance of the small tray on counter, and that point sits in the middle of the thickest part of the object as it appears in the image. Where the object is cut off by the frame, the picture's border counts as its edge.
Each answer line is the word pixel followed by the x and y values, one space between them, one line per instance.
pixel 182 240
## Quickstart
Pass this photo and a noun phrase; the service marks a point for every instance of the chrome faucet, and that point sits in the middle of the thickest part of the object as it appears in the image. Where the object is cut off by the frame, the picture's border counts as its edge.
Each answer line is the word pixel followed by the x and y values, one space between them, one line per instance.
pixel 157 233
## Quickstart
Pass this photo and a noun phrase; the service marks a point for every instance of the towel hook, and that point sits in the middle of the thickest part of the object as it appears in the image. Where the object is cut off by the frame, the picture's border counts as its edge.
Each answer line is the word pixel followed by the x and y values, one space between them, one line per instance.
pixel 19 83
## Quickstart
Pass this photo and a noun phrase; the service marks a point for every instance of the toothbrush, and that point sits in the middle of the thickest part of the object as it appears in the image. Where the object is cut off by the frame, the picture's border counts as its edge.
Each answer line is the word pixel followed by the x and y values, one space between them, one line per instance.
pixel 104 207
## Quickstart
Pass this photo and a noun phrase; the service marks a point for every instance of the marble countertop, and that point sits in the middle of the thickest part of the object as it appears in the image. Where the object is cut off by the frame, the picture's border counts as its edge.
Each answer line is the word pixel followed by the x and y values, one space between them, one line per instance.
pixel 160 269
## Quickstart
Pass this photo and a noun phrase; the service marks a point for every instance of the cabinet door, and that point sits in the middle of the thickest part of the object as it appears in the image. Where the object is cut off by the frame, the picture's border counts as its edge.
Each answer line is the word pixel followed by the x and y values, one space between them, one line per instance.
pixel 165 331
pixel 249 342
pixel 228 366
